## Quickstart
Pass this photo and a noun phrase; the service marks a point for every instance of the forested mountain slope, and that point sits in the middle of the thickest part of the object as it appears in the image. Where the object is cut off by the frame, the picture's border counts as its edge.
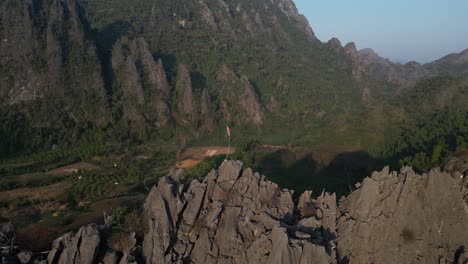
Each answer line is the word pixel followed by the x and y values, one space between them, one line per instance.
pixel 77 71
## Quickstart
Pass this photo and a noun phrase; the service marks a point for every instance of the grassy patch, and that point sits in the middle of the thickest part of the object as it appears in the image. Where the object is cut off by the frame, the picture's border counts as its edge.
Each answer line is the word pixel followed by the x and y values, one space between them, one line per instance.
pixel 44 161
pixel 204 167
pixel 28 180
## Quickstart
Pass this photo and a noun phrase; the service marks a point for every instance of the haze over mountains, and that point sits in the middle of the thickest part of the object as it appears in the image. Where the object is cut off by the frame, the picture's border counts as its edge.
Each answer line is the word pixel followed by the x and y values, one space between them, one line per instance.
pixel 402 31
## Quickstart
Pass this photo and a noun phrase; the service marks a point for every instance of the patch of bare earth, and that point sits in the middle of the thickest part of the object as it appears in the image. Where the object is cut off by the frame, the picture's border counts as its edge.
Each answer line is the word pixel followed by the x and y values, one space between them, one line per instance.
pixel 194 155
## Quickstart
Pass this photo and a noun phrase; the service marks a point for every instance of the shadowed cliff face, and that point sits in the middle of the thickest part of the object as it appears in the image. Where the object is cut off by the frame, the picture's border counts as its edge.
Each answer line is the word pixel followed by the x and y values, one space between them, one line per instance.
pixel 45 55
pixel 235 215
pixel 141 90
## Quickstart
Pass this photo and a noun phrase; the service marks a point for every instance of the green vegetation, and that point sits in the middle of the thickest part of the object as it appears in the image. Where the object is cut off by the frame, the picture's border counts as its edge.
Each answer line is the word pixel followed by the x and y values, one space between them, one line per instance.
pixel 68 198
pixel 427 143
pixel 52 159
pixel 28 180
pixel 436 124
pixel 204 167
pixel 307 90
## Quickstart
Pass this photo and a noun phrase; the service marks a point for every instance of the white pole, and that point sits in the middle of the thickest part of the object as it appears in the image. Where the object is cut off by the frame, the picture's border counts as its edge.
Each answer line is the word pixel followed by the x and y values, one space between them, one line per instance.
pixel 229 147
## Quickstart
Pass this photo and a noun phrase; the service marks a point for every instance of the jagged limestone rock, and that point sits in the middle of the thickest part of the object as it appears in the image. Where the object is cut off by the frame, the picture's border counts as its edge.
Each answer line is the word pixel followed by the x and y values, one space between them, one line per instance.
pixel 141 84
pixel 238 96
pixel 184 90
pixel 79 248
pixel 237 216
pixel 403 218
pixel 232 216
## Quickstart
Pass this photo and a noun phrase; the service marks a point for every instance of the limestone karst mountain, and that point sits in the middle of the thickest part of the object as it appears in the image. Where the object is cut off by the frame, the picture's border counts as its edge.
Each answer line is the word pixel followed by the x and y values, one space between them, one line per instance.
pixel 166 69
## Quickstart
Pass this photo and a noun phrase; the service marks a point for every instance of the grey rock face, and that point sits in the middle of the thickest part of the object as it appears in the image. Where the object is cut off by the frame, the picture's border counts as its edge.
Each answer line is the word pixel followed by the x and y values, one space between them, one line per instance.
pixel 233 216
pixel 186 104
pixel 110 258
pixel 289 9
pixel 403 218
pixel 207 112
pixel 207 15
pixel 35 65
pixel 404 75
pixel 237 216
pixel 335 44
pixel 24 257
pixel 251 103
pixel 142 83
pixel 238 95
pixel 457 166
pixel 81 247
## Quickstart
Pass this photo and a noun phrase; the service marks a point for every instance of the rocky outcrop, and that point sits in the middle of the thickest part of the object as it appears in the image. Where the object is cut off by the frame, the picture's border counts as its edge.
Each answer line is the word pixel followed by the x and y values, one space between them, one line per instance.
pixel 378 68
pixel 81 247
pixel 403 218
pixel 207 15
pixel 184 93
pixel 238 96
pixel 335 44
pixel 45 56
pixel 234 216
pixel 457 166
pixel 140 87
pixel 207 111
pixel 367 63
pixel 250 102
pixel 289 9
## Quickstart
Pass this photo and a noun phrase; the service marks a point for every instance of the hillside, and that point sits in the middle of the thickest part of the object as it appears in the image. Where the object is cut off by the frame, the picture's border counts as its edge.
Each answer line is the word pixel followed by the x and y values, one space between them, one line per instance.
pixel 455 63
pixel 134 71
pixel 85 72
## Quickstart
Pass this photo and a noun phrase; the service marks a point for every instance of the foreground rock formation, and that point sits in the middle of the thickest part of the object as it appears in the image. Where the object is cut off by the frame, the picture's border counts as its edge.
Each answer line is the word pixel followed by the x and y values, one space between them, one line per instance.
pixel 235 215
pixel 404 218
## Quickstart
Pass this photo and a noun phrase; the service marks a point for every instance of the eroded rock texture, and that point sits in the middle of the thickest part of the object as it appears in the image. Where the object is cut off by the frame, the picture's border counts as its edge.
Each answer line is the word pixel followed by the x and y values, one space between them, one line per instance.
pixel 81 247
pixel 235 216
pixel 404 218
pixel 457 166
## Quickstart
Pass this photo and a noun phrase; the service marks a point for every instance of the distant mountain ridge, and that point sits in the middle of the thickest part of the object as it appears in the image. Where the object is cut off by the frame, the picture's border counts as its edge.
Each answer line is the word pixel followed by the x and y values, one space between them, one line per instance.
pixel 403 75
pixel 367 62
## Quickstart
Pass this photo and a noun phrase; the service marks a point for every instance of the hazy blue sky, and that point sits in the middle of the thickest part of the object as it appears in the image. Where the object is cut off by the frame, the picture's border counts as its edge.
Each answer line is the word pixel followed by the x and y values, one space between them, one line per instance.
pixel 402 30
